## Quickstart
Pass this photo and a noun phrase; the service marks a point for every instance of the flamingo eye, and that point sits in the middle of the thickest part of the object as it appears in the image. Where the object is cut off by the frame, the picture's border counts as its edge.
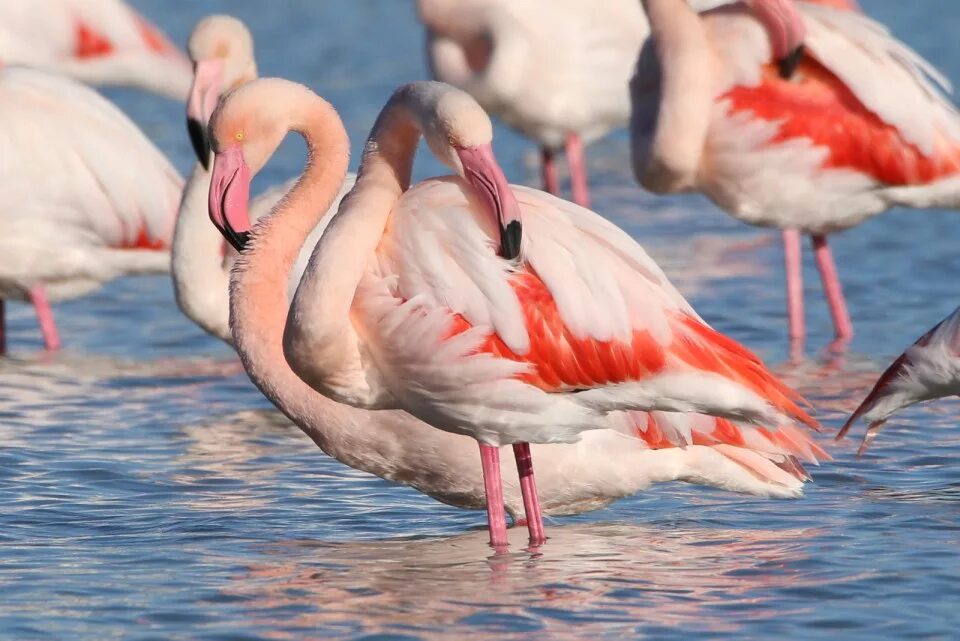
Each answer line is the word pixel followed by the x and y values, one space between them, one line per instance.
pixel 239 136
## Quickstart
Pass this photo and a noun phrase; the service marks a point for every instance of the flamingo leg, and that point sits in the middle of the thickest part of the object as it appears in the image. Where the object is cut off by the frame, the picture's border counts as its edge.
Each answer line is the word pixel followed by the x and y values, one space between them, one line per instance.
pixel 551 181
pixel 3 327
pixel 528 488
pixel 578 170
pixel 51 338
pixel 832 288
pixel 493 487
pixel 794 267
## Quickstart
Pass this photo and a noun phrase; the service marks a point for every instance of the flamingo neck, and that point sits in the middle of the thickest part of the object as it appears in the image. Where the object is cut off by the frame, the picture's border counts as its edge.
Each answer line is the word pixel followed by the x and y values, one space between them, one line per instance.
pixel 201 279
pixel 686 91
pixel 320 342
pixel 258 288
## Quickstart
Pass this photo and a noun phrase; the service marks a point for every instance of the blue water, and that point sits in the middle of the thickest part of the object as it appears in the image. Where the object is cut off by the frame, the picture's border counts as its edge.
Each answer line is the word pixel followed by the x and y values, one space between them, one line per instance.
pixel 149 492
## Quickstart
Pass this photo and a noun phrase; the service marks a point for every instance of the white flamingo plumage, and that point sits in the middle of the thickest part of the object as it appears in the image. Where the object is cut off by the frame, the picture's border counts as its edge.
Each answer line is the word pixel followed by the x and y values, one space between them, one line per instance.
pixel 247 135
pixel 860 125
pixel 98 42
pixel 84 196
pixel 927 370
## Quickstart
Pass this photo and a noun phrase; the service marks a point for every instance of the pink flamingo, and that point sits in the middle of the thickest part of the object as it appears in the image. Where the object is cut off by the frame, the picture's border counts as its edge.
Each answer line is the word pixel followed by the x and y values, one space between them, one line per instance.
pixel 246 131
pixel 107 203
pixel 929 369
pixel 221 49
pixel 858 126
pixel 639 448
pixel 554 70
pixel 99 42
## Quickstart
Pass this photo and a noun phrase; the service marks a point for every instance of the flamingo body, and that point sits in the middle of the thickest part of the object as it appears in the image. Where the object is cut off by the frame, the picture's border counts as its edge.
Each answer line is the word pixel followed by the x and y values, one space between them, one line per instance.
pixel 100 42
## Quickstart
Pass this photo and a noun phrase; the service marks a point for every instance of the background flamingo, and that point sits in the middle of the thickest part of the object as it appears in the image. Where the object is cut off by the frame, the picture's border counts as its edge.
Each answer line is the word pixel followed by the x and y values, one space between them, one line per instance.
pixel 99 42
pixel 639 449
pixel 250 138
pixel 929 369
pixel 84 196
pixel 859 127
pixel 221 49
pixel 554 70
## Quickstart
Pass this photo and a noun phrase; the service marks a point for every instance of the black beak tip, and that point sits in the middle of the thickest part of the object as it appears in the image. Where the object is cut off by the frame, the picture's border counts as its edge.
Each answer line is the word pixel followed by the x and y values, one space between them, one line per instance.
pixel 200 141
pixel 787 66
pixel 510 238
pixel 239 239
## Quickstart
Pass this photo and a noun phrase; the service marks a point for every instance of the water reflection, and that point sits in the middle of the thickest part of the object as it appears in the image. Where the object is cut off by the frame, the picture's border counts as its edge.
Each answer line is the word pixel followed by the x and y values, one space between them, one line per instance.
pixel 611 577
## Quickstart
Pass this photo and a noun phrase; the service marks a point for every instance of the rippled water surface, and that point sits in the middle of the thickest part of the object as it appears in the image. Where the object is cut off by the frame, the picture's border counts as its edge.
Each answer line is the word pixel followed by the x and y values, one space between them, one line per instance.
pixel 149 492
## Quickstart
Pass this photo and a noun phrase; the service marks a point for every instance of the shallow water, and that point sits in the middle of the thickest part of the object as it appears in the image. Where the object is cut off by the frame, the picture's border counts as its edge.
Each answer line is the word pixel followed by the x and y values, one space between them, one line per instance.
pixel 150 492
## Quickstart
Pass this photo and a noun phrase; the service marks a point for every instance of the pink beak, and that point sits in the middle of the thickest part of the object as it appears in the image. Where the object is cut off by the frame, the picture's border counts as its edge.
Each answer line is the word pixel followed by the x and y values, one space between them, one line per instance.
pixel 489 184
pixel 786 30
pixel 230 196
pixel 204 94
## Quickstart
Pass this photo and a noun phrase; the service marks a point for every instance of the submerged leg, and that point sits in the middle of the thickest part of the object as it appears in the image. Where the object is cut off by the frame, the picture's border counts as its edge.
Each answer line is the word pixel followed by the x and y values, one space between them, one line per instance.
pixel 832 288
pixel 794 267
pixel 551 181
pixel 528 488
pixel 3 328
pixel 493 486
pixel 51 338
pixel 578 170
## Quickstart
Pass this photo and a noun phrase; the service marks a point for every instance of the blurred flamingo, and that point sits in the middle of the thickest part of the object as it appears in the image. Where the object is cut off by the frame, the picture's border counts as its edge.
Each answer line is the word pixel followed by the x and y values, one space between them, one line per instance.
pixel 929 369
pixel 554 70
pixel 99 42
pixel 221 49
pixel 815 144
pixel 84 196
pixel 247 129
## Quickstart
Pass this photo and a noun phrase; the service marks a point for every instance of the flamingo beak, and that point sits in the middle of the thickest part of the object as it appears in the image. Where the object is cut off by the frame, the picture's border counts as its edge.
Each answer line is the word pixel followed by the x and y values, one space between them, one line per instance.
pixel 786 30
pixel 204 94
pixel 489 184
pixel 230 196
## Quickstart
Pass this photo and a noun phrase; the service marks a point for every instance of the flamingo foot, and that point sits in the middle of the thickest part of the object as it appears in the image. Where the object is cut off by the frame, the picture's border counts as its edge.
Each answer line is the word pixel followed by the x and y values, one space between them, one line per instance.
pixel 794 268
pixel 551 181
pixel 578 170
pixel 528 488
pixel 832 289
pixel 493 487
pixel 48 327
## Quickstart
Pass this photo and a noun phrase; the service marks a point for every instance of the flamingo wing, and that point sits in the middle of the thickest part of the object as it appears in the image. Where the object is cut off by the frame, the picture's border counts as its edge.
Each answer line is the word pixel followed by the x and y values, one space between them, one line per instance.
pixel 588 314
pixel 928 369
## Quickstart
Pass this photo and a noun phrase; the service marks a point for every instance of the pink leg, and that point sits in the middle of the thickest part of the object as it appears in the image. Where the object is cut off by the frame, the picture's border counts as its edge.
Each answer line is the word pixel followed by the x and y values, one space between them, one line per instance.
pixel 51 338
pixel 528 488
pixel 551 182
pixel 493 486
pixel 578 171
pixel 832 288
pixel 3 328
pixel 791 253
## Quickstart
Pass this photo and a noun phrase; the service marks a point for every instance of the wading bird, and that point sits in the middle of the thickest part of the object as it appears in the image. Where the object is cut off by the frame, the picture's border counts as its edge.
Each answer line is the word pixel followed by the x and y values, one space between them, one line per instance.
pixel 84 196
pixel 247 129
pixel 814 142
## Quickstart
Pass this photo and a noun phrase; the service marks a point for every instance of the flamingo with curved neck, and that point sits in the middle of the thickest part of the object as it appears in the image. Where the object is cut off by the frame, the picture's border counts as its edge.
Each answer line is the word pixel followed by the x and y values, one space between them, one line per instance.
pixel 637 450
pixel 344 365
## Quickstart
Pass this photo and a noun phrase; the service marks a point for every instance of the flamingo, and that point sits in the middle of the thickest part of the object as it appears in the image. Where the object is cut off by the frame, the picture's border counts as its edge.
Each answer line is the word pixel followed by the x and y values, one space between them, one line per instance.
pixel 84 196
pixel 246 130
pixel 554 70
pixel 99 42
pixel 929 369
pixel 858 126
pixel 221 49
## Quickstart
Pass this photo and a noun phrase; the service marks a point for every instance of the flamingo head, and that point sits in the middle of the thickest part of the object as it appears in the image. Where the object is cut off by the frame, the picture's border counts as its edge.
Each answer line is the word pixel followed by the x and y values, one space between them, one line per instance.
pixel 460 134
pixel 245 130
pixel 221 49
pixel 786 30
